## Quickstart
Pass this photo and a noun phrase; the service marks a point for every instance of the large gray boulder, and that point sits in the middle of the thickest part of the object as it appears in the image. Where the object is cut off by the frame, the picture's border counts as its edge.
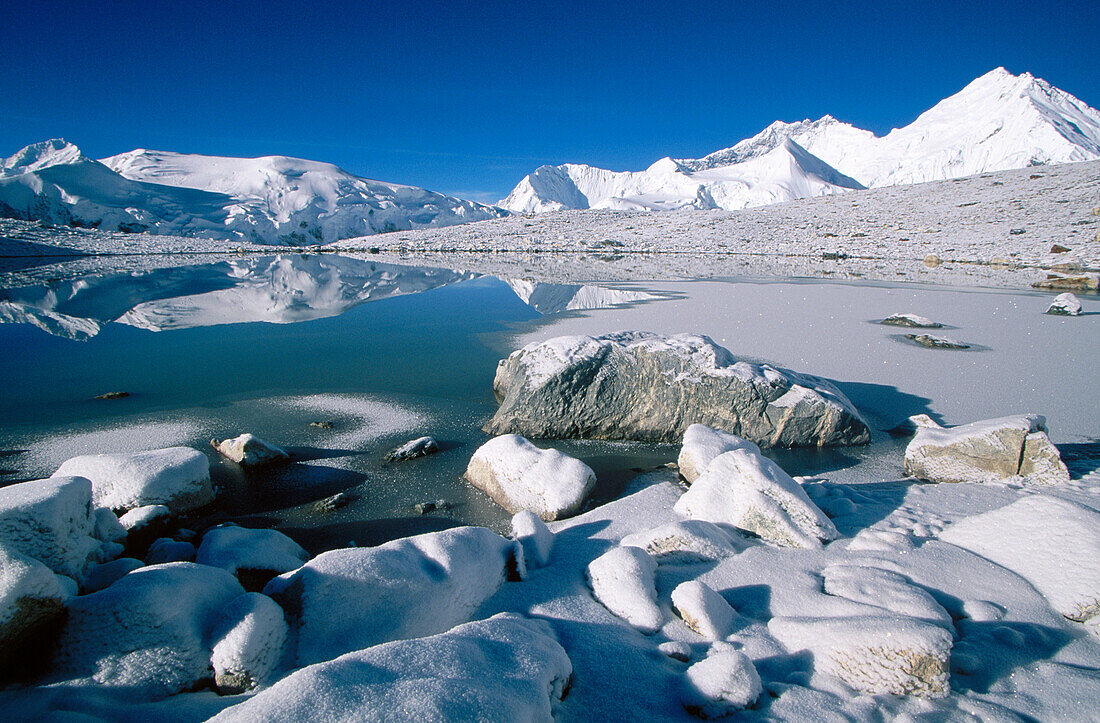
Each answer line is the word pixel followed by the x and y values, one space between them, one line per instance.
pixel 639 385
pixel 1008 449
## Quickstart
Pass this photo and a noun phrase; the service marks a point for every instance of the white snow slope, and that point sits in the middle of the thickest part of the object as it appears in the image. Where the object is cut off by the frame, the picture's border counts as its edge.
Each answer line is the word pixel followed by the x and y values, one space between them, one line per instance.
pixel 998 122
pixel 273 199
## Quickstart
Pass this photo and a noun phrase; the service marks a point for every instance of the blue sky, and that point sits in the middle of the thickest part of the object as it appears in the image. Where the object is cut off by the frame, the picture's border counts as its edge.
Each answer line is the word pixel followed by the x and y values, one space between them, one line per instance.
pixel 466 98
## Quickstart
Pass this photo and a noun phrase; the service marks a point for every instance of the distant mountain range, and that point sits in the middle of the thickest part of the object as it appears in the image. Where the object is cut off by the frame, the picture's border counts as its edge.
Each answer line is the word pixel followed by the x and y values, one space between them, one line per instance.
pixel 273 199
pixel 997 122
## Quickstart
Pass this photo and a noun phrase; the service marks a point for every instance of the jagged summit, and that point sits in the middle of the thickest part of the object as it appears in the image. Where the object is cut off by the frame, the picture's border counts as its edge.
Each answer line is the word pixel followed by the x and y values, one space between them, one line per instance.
pixel 41 155
pixel 999 121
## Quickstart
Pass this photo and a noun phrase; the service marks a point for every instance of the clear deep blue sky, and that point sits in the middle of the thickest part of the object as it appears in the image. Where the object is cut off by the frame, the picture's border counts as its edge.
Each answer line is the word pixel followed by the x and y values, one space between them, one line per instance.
pixel 466 98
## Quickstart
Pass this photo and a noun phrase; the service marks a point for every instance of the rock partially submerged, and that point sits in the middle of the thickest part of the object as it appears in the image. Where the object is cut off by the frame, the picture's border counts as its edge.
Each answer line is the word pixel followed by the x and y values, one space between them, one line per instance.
pixel 912 321
pixel 506 668
pixel 520 476
pixel 248 450
pixel 752 493
pixel 177 477
pixel 1052 543
pixel 344 600
pixel 1007 449
pixel 936 342
pixel 876 655
pixel 638 385
pixel 1065 305
pixel 419 447
pixel 52 521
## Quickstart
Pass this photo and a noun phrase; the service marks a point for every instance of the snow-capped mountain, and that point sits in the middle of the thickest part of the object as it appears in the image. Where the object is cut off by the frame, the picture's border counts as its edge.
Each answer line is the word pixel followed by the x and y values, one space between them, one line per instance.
pixel 273 199
pixel 548 298
pixel 998 122
pixel 785 172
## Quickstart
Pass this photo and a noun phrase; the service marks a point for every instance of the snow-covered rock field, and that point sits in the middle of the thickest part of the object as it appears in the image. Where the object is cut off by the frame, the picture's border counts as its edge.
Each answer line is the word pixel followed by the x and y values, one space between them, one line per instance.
pixel 814 584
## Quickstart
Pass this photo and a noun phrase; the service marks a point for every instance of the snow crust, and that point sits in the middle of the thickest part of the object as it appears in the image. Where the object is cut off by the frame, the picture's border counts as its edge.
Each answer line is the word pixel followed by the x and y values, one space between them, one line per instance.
pixel 1052 543
pixel 506 668
pixel 520 476
pixel 344 600
pixel 177 477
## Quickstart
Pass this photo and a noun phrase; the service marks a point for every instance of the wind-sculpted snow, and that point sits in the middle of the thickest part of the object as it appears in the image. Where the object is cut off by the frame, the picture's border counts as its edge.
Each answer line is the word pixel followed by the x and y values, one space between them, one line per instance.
pixel 273 199
pixel 999 121
pixel 274 289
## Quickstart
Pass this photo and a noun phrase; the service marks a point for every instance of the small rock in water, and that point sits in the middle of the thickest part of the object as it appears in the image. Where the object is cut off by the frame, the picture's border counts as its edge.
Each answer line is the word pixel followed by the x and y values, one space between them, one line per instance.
pixel 423 508
pixel 336 501
pixel 321 425
pixel 113 395
pixel 420 447
pixel 1058 249
pixel 936 342
pixel 248 450
pixel 911 320
pixel 932 261
pixel 1065 305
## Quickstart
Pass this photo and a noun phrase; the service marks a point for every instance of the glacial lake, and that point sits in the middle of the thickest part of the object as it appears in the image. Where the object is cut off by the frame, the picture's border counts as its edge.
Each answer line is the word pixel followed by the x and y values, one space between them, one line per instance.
pixel 340 359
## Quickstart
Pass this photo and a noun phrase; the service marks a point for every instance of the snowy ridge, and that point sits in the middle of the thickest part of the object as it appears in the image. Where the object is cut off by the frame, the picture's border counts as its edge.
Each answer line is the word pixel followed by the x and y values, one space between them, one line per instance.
pixel 783 173
pixel 998 122
pixel 273 199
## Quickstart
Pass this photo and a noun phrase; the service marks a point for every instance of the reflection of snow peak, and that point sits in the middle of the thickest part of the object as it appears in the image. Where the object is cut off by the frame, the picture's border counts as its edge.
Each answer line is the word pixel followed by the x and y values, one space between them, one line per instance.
pixel 554 298
pixel 276 289
pixel 273 199
pixel 287 289
pixel 998 122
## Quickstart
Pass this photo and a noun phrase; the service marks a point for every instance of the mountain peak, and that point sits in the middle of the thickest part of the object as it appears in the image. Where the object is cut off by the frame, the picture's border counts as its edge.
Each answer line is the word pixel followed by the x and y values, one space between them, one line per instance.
pixel 43 154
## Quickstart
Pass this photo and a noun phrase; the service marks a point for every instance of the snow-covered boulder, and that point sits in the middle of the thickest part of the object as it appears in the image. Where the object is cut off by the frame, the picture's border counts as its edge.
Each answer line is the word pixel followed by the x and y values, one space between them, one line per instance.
pixel 884 589
pixel 534 537
pixel 506 668
pixel 911 320
pixel 1065 305
pixel 624 580
pixel 165 549
pixel 1008 449
pixel 1052 543
pixel 752 493
pixel 703 610
pixel 638 385
pixel 520 476
pixel 106 526
pixel 894 655
pixel 142 518
pixel 177 477
pixel 687 542
pixel 234 549
pixel 723 682
pixel 349 599
pixel 32 602
pixel 249 450
pixel 52 521
pixel 147 633
pixel 702 444
pixel 249 643
pixel 419 447
pixel 105 575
